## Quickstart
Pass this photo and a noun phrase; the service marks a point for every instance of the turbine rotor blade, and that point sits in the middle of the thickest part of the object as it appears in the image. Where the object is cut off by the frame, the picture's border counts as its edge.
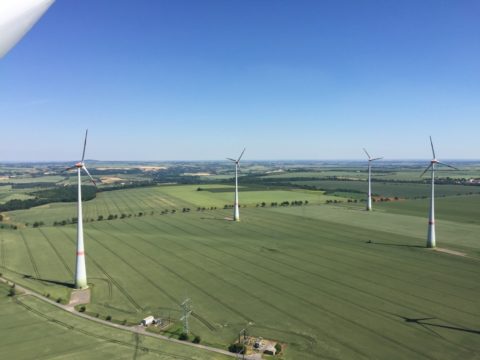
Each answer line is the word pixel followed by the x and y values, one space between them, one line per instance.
pixel 433 150
pixel 366 152
pixel 84 145
pixel 69 168
pixel 17 18
pixel 90 176
pixel 450 166
pixel 241 154
pixel 429 166
pixel 379 158
pixel 232 160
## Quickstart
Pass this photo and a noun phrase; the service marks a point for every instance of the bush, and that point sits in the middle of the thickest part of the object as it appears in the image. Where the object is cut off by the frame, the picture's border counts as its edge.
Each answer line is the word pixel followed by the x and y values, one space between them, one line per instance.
pixel 236 348
pixel 12 291
pixel 59 300
pixel 196 340
pixel 82 309
pixel 100 218
pixel 278 348
pixel 108 318
pixel 183 336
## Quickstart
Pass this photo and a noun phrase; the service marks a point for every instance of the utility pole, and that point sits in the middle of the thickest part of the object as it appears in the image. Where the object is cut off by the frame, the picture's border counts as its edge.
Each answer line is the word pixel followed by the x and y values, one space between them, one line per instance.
pixel 186 310
pixel 244 332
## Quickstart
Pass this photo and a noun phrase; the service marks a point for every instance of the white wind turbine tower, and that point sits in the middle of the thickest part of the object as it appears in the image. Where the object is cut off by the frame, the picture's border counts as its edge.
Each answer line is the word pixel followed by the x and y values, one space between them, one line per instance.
pixel 431 217
pixel 236 212
pixel 80 269
pixel 17 17
pixel 370 159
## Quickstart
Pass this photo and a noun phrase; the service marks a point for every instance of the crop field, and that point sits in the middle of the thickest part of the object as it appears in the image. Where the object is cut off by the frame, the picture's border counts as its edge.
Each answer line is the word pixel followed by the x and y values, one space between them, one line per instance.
pixel 7 194
pixel 32 329
pixel 328 281
pixel 391 189
pixel 380 170
pixel 146 200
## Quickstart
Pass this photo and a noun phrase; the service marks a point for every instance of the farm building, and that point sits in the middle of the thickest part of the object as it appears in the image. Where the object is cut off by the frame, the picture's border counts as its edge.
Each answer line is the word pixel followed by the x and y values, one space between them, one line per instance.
pixel 148 320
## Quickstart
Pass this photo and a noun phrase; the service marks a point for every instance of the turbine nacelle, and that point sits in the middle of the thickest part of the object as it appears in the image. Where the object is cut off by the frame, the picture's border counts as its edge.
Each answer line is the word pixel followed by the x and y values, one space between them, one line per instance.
pixel 81 163
pixel 237 161
pixel 434 161
pixel 370 158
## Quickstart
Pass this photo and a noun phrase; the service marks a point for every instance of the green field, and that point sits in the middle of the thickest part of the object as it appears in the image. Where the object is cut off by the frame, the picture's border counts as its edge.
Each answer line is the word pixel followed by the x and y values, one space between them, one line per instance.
pixel 329 281
pixel 390 189
pixel 7 194
pixel 158 198
pixel 32 329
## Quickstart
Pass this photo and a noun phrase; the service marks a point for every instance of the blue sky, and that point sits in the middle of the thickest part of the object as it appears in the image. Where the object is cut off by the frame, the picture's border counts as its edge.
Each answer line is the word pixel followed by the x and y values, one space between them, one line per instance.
pixel 191 80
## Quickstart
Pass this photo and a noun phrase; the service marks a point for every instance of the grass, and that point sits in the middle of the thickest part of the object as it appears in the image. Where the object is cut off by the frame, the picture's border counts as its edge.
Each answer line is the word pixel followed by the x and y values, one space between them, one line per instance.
pixel 381 171
pixel 7 194
pixel 32 329
pixel 158 198
pixel 391 189
pixel 329 281
pixel 462 209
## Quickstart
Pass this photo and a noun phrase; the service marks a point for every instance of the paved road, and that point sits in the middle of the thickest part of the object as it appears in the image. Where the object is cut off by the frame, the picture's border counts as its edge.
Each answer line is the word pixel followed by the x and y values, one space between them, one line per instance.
pixel 134 329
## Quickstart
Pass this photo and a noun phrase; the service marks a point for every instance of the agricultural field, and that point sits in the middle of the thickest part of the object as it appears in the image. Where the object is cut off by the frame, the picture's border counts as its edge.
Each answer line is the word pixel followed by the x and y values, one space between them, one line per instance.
pixel 389 189
pixel 326 280
pixel 159 198
pixel 33 329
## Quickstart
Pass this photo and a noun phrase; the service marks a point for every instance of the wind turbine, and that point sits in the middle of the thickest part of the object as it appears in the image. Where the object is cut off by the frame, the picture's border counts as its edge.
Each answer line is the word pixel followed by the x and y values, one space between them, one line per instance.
pixel 17 17
pixel 80 269
pixel 431 217
pixel 370 159
pixel 236 212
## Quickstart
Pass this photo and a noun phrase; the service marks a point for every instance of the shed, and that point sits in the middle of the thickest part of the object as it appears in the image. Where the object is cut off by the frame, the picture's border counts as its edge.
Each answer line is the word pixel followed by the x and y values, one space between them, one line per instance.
pixel 148 320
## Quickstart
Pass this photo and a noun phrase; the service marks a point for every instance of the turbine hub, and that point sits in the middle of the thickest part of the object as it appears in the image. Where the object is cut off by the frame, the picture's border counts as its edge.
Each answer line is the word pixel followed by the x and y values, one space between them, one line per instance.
pixel 79 165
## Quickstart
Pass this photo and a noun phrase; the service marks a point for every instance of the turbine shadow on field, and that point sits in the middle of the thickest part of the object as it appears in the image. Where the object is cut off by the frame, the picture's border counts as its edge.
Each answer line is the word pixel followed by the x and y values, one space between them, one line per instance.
pixel 424 322
pixel 400 245
pixel 55 282
pixel 217 218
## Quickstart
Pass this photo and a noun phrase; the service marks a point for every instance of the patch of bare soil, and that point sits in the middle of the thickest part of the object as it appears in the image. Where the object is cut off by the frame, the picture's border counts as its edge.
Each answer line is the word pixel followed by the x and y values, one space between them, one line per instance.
pixel 79 297
pixel 451 252
pixel 110 179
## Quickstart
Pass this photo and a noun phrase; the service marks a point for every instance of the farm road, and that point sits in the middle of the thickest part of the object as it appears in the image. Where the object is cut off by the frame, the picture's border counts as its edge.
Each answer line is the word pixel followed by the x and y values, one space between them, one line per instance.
pixel 135 329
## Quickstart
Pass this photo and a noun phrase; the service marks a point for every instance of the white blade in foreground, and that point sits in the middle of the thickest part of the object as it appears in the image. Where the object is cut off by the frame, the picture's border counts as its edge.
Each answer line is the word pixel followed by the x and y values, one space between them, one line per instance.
pixel 17 17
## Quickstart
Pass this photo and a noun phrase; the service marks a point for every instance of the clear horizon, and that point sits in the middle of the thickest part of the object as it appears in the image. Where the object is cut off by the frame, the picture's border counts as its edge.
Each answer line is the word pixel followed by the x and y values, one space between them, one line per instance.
pixel 246 160
pixel 288 80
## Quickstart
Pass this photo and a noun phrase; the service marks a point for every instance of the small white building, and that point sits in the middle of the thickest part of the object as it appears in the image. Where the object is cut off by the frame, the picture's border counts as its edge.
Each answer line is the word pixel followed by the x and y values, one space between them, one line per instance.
pixel 148 320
